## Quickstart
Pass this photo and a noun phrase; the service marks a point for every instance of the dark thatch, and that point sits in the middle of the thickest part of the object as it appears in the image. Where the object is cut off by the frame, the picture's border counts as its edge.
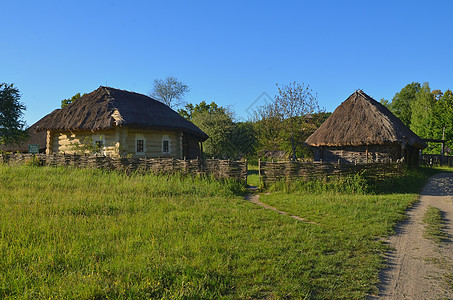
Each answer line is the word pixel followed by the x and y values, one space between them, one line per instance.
pixel 361 120
pixel 107 107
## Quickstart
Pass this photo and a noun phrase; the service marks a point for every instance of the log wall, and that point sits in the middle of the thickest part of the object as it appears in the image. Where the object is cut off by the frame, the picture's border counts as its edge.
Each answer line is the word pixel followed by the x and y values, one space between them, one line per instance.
pixel 360 154
pixel 120 142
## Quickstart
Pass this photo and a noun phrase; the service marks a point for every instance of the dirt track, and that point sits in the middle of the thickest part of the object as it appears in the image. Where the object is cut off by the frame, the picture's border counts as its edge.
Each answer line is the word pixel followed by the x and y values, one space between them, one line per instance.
pixel 418 268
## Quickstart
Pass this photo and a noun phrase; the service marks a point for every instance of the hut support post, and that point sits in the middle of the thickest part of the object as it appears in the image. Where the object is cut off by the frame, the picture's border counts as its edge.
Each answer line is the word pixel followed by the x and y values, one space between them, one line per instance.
pixel 49 143
pixel 366 153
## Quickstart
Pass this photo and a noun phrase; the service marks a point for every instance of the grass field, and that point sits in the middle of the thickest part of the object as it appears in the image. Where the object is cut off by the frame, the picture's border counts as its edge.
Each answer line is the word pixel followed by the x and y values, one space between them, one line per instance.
pixel 85 234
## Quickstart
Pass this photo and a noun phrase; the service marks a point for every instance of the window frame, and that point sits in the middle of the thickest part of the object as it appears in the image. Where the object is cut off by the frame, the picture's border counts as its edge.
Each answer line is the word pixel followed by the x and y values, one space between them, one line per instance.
pixel 166 139
pixel 138 137
pixel 139 146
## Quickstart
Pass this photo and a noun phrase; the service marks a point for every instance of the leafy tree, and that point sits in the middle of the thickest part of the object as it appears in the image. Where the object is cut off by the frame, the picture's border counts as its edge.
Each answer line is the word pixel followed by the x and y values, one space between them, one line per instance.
pixel 227 139
pixel 443 120
pixel 219 125
pixel 422 116
pixel 11 112
pixel 289 117
pixel 401 104
pixel 170 91
pixel 66 102
pixel 190 110
pixel 243 140
pixel 386 103
pixel 430 112
pixel 86 146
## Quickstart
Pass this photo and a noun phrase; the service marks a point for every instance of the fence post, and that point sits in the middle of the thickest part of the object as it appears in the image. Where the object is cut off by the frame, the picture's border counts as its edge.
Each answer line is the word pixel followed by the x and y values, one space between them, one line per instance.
pixel 246 171
pixel 259 172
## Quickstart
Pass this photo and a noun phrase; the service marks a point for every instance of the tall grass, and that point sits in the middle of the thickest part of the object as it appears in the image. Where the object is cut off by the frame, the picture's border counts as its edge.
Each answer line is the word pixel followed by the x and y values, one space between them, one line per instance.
pixel 83 180
pixel 411 181
pixel 354 184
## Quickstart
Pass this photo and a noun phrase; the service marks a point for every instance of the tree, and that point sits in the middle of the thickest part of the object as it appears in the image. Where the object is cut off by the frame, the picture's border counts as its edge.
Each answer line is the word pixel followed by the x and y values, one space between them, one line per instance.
pixel 190 110
pixel 422 116
pixel 289 116
pixel 219 126
pixel 243 139
pixel 443 120
pixel 215 121
pixel 386 103
pixel 227 139
pixel 401 104
pixel 170 91
pixel 66 102
pixel 11 112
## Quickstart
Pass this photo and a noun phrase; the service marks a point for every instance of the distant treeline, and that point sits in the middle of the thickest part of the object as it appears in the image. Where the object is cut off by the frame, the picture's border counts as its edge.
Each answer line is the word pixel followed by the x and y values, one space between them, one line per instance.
pixel 428 113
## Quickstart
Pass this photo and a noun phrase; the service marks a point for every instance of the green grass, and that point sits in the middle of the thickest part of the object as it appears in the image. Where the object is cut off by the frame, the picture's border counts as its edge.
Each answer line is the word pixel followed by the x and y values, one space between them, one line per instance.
pixel 352 214
pixel 85 234
pixel 253 178
pixel 434 229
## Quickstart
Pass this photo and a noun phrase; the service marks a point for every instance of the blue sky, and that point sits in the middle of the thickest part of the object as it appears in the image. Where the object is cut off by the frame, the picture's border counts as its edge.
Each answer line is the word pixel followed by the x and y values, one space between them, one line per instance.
pixel 229 52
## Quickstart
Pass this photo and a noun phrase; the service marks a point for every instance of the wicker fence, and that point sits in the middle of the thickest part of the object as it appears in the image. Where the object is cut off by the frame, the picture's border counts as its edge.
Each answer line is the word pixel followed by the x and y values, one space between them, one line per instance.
pixel 436 159
pixel 269 171
pixel 274 171
pixel 217 168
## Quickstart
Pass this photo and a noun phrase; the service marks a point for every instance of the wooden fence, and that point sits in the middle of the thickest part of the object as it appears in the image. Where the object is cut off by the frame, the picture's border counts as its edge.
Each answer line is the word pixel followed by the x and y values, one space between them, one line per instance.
pixel 217 168
pixel 274 171
pixel 268 171
pixel 436 159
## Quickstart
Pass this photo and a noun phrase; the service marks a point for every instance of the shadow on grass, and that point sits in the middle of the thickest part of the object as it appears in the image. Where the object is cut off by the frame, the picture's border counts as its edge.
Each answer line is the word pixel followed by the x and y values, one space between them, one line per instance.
pixel 252 172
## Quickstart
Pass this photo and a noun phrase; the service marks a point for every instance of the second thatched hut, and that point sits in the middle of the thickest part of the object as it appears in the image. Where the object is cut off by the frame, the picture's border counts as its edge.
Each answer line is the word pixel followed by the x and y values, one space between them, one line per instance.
pixel 362 130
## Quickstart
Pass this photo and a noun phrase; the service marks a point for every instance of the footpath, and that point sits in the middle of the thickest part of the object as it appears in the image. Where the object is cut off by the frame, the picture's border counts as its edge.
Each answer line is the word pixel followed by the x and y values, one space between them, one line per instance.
pixel 418 268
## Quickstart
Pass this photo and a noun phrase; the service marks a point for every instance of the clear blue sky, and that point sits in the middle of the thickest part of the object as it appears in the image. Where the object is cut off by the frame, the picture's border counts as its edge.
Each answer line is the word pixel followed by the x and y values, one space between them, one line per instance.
pixel 229 52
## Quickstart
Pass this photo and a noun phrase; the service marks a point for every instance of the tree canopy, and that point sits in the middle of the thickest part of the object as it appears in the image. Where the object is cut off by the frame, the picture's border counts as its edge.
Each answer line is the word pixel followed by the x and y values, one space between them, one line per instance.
pixel 285 123
pixel 422 112
pixel 169 91
pixel 227 139
pixel 429 113
pixel 11 112
pixel 402 102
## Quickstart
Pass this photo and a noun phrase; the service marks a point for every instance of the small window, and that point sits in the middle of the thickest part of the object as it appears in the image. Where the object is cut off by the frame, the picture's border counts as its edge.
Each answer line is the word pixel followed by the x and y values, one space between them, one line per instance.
pixel 140 146
pixel 165 146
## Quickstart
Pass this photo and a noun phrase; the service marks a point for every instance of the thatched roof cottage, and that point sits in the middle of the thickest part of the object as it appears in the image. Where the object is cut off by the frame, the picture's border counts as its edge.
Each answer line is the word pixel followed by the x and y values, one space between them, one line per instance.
pixel 363 130
pixel 121 123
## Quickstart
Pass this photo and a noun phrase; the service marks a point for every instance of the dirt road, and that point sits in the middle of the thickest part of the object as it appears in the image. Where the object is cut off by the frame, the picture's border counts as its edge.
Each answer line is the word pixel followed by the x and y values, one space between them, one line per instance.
pixel 418 268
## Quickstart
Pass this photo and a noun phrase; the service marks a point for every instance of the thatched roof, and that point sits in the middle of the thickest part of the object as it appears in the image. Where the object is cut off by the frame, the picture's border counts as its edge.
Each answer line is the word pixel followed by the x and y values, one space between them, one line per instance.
pixel 107 107
pixel 361 120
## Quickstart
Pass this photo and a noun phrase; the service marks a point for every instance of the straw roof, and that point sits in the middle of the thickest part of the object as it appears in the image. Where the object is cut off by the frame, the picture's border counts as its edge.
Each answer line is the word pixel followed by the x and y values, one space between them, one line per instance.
pixel 107 107
pixel 361 120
